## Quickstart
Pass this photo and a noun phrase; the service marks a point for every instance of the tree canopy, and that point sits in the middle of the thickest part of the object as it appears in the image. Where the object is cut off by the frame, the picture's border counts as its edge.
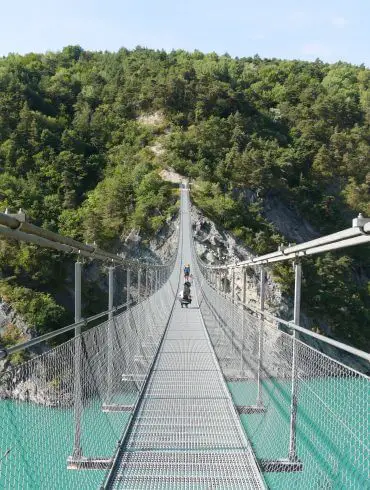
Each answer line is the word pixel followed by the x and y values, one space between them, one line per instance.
pixel 77 155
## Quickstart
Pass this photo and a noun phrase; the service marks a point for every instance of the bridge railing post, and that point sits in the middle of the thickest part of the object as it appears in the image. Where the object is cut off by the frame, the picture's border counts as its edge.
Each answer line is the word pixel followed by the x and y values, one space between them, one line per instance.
pixel 260 335
pixel 138 285
pixel 110 333
pixel 244 293
pixel 296 319
pixel 233 285
pixel 77 449
pixel 128 288
pixel 233 313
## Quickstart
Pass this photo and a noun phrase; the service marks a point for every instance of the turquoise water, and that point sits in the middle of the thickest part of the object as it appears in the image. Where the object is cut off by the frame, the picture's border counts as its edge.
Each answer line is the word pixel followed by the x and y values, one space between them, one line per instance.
pixel 40 440
pixel 333 422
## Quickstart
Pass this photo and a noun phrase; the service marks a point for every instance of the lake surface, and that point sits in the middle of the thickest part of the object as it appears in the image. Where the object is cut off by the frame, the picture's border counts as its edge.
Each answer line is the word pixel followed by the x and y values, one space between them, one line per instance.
pixel 333 421
pixel 332 437
pixel 41 438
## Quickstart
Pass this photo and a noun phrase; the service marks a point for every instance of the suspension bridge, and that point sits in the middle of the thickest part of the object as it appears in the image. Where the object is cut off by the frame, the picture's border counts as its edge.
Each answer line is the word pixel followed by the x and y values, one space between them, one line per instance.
pixel 155 396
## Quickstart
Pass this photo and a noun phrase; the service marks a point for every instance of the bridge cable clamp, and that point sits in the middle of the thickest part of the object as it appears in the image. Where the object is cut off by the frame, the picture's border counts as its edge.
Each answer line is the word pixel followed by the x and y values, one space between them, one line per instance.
pixel 360 223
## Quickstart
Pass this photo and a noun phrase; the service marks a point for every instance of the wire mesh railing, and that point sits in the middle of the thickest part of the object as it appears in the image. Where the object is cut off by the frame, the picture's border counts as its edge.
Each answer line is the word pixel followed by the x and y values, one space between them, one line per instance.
pixel 185 433
pixel 306 414
pixel 68 407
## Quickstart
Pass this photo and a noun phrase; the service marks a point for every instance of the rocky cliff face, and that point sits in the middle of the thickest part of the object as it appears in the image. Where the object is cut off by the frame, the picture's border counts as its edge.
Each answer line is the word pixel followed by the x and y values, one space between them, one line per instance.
pixel 287 220
pixel 10 316
pixel 158 249
pixel 216 247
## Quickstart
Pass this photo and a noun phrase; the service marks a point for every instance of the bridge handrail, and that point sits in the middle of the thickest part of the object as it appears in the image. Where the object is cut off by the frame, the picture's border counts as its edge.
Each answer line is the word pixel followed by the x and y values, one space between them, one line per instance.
pixel 16 227
pixel 357 235
pixel 291 325
pixel 305 390
pixel 6 351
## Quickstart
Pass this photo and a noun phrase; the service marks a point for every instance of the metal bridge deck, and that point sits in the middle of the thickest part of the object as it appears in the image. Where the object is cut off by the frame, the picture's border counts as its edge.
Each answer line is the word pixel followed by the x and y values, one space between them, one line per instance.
pixel 186 433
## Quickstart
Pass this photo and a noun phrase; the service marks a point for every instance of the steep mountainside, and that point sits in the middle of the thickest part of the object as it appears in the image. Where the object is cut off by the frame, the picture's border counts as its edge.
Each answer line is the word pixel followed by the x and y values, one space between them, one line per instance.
pixel 278 151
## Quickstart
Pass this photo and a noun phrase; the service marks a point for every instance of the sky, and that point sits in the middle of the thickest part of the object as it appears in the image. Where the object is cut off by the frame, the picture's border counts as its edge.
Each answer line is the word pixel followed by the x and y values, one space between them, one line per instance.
pixel 331 30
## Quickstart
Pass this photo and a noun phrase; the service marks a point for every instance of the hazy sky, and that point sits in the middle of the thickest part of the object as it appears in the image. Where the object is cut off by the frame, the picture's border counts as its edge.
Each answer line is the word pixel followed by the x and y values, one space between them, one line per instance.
pixel 303 29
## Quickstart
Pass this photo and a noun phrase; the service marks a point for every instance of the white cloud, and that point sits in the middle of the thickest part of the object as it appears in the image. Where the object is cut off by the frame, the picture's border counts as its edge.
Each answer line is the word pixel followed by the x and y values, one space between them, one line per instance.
pixel 339 22
pixel 316 48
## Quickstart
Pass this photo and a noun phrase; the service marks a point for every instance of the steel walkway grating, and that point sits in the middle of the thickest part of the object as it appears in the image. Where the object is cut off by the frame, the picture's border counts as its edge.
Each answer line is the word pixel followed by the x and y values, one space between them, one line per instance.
pixel 189 345
pixel 186 433
pixel 187 335
pixel 185 384
pixel 186 470
pixel 186 361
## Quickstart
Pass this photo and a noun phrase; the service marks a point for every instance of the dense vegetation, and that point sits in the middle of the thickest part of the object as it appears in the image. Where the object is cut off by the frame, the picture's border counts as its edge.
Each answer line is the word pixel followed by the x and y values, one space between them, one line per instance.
pixel 77 156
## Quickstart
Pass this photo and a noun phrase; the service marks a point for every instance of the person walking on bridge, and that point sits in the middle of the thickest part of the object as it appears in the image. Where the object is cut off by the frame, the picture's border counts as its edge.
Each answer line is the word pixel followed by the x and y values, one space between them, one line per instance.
pixel 185 295
pixel 187 272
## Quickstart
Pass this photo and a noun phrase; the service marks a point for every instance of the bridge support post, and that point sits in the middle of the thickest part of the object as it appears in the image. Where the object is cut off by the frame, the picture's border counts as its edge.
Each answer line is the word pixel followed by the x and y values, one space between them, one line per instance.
pixel 244 300
pixel 233 315
pixel 77 449
pixel 296 320
pixel 259 401
pixel 156 280
pixel 146 283
pixel 233 285
pixel 138 285
pixel 128 288
pixel 110 333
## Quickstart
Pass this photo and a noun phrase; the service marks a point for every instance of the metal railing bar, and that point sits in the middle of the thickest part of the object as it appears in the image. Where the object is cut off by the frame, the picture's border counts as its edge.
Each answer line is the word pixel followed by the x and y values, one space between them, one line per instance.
pixel 342 239
pixel 10 227
pixel 291 325
pixel 47 336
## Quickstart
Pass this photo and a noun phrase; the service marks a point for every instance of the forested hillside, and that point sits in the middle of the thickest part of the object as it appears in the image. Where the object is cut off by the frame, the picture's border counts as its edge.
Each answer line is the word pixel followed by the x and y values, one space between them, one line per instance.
pixel 77 153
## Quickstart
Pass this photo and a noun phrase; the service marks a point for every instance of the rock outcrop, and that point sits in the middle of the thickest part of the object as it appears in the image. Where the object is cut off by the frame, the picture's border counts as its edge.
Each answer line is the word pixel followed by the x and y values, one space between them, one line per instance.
pixel 217 247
